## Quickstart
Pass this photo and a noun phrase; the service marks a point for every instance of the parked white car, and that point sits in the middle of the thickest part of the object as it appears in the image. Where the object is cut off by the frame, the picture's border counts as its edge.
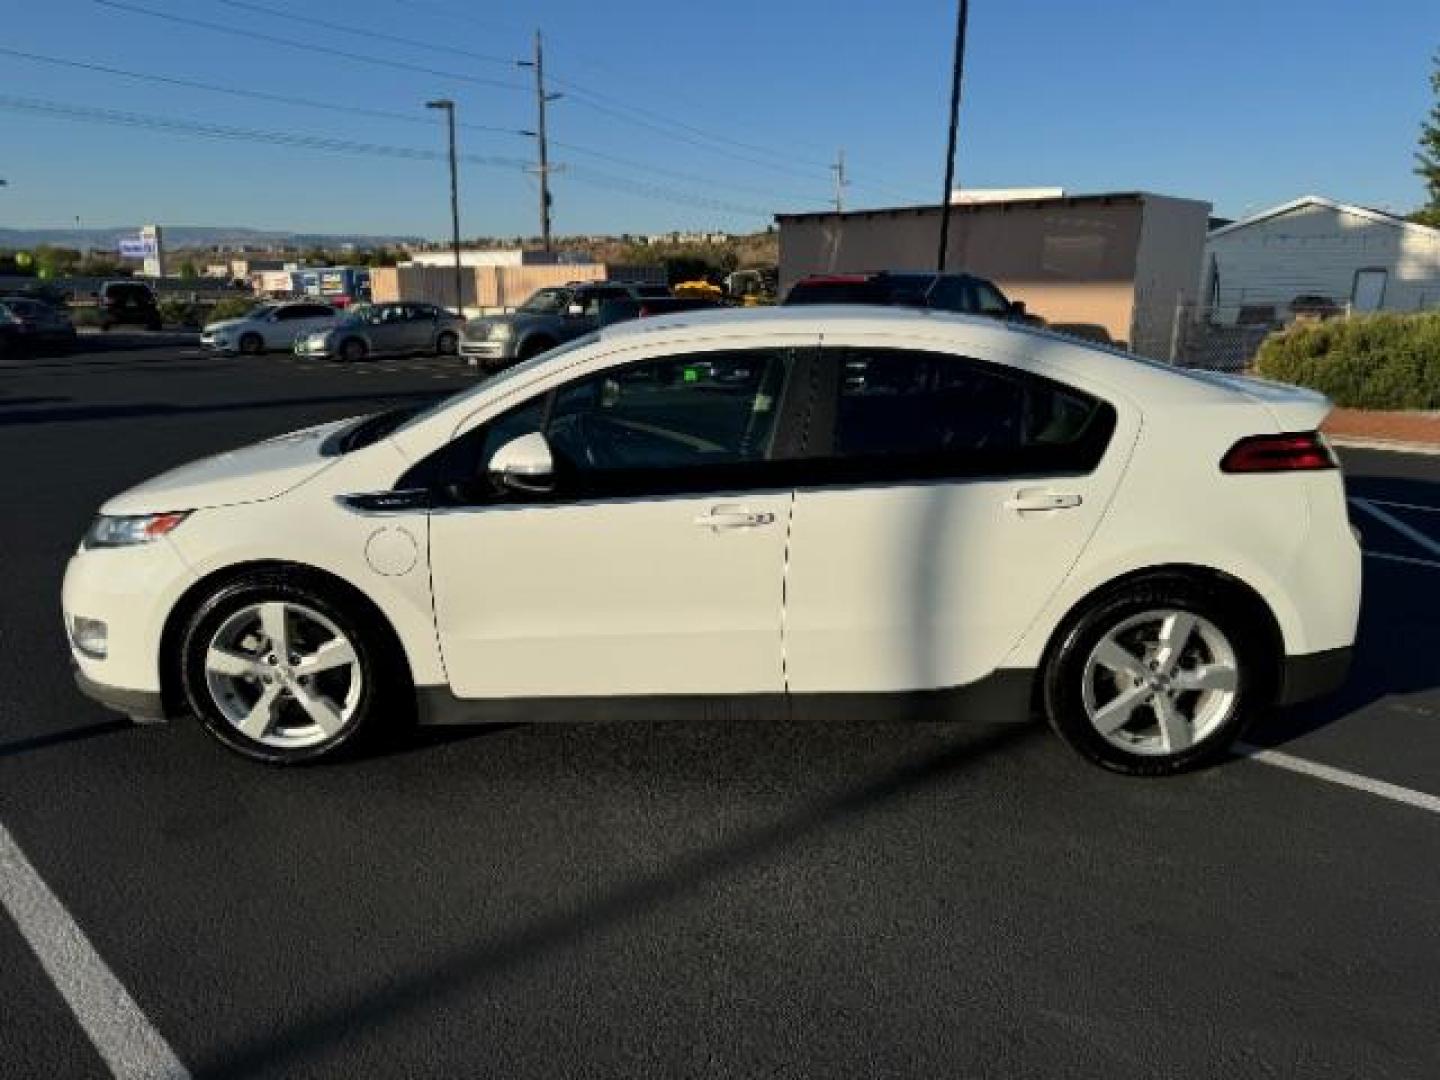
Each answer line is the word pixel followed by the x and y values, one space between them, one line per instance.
pixel 824 511
pixel 269 326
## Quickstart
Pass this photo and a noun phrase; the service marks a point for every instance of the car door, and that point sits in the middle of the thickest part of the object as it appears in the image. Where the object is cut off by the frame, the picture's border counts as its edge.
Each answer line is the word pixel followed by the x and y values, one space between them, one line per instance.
pixel 389 330
pixel 949 498
pixel 419 327
pixel 285 325
pixel 655 565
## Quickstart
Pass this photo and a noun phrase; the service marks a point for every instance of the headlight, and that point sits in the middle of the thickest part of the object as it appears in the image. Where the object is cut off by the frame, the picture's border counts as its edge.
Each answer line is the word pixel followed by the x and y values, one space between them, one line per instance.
pixel 107 532
pixel 500 331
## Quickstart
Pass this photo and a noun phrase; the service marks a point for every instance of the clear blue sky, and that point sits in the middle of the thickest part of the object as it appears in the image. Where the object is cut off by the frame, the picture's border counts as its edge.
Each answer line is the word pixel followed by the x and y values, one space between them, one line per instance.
pixel 1244 104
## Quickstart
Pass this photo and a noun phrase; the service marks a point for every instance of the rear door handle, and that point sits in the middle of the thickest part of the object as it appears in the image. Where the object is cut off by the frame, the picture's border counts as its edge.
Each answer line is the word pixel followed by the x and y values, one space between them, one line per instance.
pixel 1042 499
pixel 733 517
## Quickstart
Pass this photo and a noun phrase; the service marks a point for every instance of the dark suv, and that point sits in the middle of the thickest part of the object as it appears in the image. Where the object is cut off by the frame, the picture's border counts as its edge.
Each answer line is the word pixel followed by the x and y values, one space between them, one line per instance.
pixel 128 303
pixel 551 316
pixel 943 292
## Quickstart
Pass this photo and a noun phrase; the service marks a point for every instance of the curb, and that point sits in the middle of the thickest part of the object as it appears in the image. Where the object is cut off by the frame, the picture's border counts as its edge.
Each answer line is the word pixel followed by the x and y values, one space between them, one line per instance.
pixel 1392 445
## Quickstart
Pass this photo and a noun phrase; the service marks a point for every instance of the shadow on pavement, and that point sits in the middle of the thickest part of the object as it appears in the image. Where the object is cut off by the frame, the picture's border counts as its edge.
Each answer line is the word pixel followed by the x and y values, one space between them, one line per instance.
pixel 68 735
pixel 490 958
pixel 1399 636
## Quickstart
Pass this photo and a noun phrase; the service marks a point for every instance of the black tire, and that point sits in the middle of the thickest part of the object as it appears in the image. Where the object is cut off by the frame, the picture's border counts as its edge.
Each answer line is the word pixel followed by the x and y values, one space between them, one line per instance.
pixel 105 327
pixel 1064 674
pixel 353 351
pixel 251 344
pixel 154 327
pixel 386 693
pixel 534 347
pixel 447 343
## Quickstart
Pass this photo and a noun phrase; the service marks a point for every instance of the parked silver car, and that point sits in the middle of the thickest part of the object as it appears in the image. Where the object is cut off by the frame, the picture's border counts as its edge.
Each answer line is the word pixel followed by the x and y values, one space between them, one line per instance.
pixel 386 329
pixel 268 326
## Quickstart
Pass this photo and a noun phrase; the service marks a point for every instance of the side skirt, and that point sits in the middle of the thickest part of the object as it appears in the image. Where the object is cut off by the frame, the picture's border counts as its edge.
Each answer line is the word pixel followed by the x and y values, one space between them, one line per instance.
pixel 1004 696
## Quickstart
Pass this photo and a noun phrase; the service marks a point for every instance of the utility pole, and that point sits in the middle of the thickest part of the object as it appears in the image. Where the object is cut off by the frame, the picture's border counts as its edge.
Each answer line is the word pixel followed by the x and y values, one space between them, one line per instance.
pixel 840 182
pixel 449 107
pixel 962 16
pixel 543 168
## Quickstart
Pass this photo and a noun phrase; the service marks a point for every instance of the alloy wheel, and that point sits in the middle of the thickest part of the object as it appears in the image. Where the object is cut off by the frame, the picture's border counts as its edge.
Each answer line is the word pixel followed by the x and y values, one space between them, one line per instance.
pixel 283 675
pixel 1161 682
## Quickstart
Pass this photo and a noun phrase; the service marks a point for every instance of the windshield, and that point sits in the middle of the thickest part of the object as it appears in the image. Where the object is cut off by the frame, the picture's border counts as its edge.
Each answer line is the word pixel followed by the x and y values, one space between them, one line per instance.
pixel 259 311
pixel 356 314
pixel 486 385
pixel 548 301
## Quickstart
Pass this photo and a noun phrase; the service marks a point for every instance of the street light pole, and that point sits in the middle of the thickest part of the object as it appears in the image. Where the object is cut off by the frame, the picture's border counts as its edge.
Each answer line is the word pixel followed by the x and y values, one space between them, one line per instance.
pixel 449 107
pixel 961 18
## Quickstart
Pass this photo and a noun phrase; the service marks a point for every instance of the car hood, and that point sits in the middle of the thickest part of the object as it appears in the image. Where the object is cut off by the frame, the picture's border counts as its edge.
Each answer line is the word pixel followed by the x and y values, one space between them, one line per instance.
pixel 250 474
pixel 516 320
pixel 224 324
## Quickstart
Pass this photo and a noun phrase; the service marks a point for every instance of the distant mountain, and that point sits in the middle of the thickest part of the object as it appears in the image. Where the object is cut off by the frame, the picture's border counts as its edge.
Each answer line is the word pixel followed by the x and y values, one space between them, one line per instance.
pixel 179 236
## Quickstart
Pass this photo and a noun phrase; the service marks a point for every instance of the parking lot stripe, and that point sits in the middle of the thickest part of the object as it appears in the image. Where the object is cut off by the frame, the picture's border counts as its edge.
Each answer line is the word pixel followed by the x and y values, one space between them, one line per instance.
pixel 1432 563
pixel 1404 529
pixel 1418 799
pixel 1400 505
pixel 120 1032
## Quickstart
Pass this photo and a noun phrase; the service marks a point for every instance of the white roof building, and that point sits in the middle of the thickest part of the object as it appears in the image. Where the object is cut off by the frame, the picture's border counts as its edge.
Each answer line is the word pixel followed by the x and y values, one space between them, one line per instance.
pixel 1317 254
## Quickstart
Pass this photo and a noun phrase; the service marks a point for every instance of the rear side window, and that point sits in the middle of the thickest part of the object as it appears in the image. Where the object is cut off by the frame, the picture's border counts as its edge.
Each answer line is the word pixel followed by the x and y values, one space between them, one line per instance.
pixel 911 414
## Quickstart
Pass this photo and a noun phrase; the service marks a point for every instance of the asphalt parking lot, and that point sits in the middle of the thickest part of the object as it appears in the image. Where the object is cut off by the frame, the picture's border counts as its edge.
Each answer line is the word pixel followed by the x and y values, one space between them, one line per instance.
pixel 670 900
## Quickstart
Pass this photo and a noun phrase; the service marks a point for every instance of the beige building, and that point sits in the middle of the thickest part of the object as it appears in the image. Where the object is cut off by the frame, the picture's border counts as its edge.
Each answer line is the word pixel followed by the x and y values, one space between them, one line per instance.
pixel 1115 267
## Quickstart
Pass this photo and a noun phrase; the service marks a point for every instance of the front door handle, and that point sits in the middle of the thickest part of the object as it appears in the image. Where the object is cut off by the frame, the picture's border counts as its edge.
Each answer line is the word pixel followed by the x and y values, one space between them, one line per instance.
pixel 1032 499
pixel 733 517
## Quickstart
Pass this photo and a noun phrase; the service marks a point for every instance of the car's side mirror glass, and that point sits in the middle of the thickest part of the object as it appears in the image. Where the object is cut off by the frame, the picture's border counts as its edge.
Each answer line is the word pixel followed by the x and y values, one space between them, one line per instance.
pixel 524 464
pixel 1017 309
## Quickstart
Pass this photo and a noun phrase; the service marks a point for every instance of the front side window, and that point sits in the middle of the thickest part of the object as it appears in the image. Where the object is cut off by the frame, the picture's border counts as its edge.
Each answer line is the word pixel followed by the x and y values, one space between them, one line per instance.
pixel 701 422
pixel 910 414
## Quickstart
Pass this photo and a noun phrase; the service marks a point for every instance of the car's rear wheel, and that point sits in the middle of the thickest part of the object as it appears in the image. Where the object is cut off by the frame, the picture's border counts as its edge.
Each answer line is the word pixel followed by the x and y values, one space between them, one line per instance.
pixel 252 344
pixel 283 671
pixel 447 344
pixel 353 350
pixel 1159 677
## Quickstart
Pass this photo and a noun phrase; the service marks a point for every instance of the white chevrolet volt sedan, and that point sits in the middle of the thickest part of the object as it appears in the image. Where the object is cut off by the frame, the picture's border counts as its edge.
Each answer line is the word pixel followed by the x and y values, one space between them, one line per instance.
pixel 828 511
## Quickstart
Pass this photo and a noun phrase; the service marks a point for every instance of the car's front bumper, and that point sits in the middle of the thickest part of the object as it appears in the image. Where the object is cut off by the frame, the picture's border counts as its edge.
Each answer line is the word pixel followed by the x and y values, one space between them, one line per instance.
pixel 142 705
pixel 306 347
pixel 217 343
pixel 131 590
pixel 487 352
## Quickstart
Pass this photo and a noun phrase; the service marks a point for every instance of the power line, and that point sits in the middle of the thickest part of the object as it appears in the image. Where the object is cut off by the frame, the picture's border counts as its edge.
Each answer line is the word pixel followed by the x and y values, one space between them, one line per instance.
pixel 383 114
pixel 273 39
pixel 226 132
pixel 369 35
pixel 243 92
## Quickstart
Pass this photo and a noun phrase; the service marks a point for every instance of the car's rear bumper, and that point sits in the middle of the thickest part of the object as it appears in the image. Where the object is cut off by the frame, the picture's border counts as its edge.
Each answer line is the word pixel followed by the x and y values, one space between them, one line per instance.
pixel 1313 675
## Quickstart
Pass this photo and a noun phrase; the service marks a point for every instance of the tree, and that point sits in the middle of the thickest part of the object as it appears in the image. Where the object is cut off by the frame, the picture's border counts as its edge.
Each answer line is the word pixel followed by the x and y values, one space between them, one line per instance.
pixel 1427 158
pixel 188 271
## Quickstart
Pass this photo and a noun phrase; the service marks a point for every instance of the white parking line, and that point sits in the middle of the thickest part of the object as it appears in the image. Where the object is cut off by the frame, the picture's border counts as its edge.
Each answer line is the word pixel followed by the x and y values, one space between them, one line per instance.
pixel 1403 528
pixel 1434 564
pixel 1399 505
pixel 121 1033
pixel 1418 799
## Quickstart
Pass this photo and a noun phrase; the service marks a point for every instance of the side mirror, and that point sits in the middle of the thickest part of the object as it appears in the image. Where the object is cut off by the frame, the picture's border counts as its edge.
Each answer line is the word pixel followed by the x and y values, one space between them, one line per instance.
pixel 1017 309
pixel 524 464
pixel 575 310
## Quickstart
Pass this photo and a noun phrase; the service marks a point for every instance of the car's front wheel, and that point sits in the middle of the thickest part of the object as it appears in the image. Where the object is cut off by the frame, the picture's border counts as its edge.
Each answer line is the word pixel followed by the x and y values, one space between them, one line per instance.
pixel 252 344
pixel 447 344
pixel 353 350
pixel 283 671
pixel 1159 677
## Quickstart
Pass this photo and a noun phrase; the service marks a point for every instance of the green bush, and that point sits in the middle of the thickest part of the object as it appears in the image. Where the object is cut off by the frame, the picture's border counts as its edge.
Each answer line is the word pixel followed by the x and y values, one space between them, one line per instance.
pixel 1367 362
pixel 181 313
pixel 231 308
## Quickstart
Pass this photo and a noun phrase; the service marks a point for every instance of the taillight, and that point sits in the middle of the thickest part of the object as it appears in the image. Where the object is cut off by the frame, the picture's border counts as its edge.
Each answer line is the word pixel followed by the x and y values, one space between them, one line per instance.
pixel 1291 452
